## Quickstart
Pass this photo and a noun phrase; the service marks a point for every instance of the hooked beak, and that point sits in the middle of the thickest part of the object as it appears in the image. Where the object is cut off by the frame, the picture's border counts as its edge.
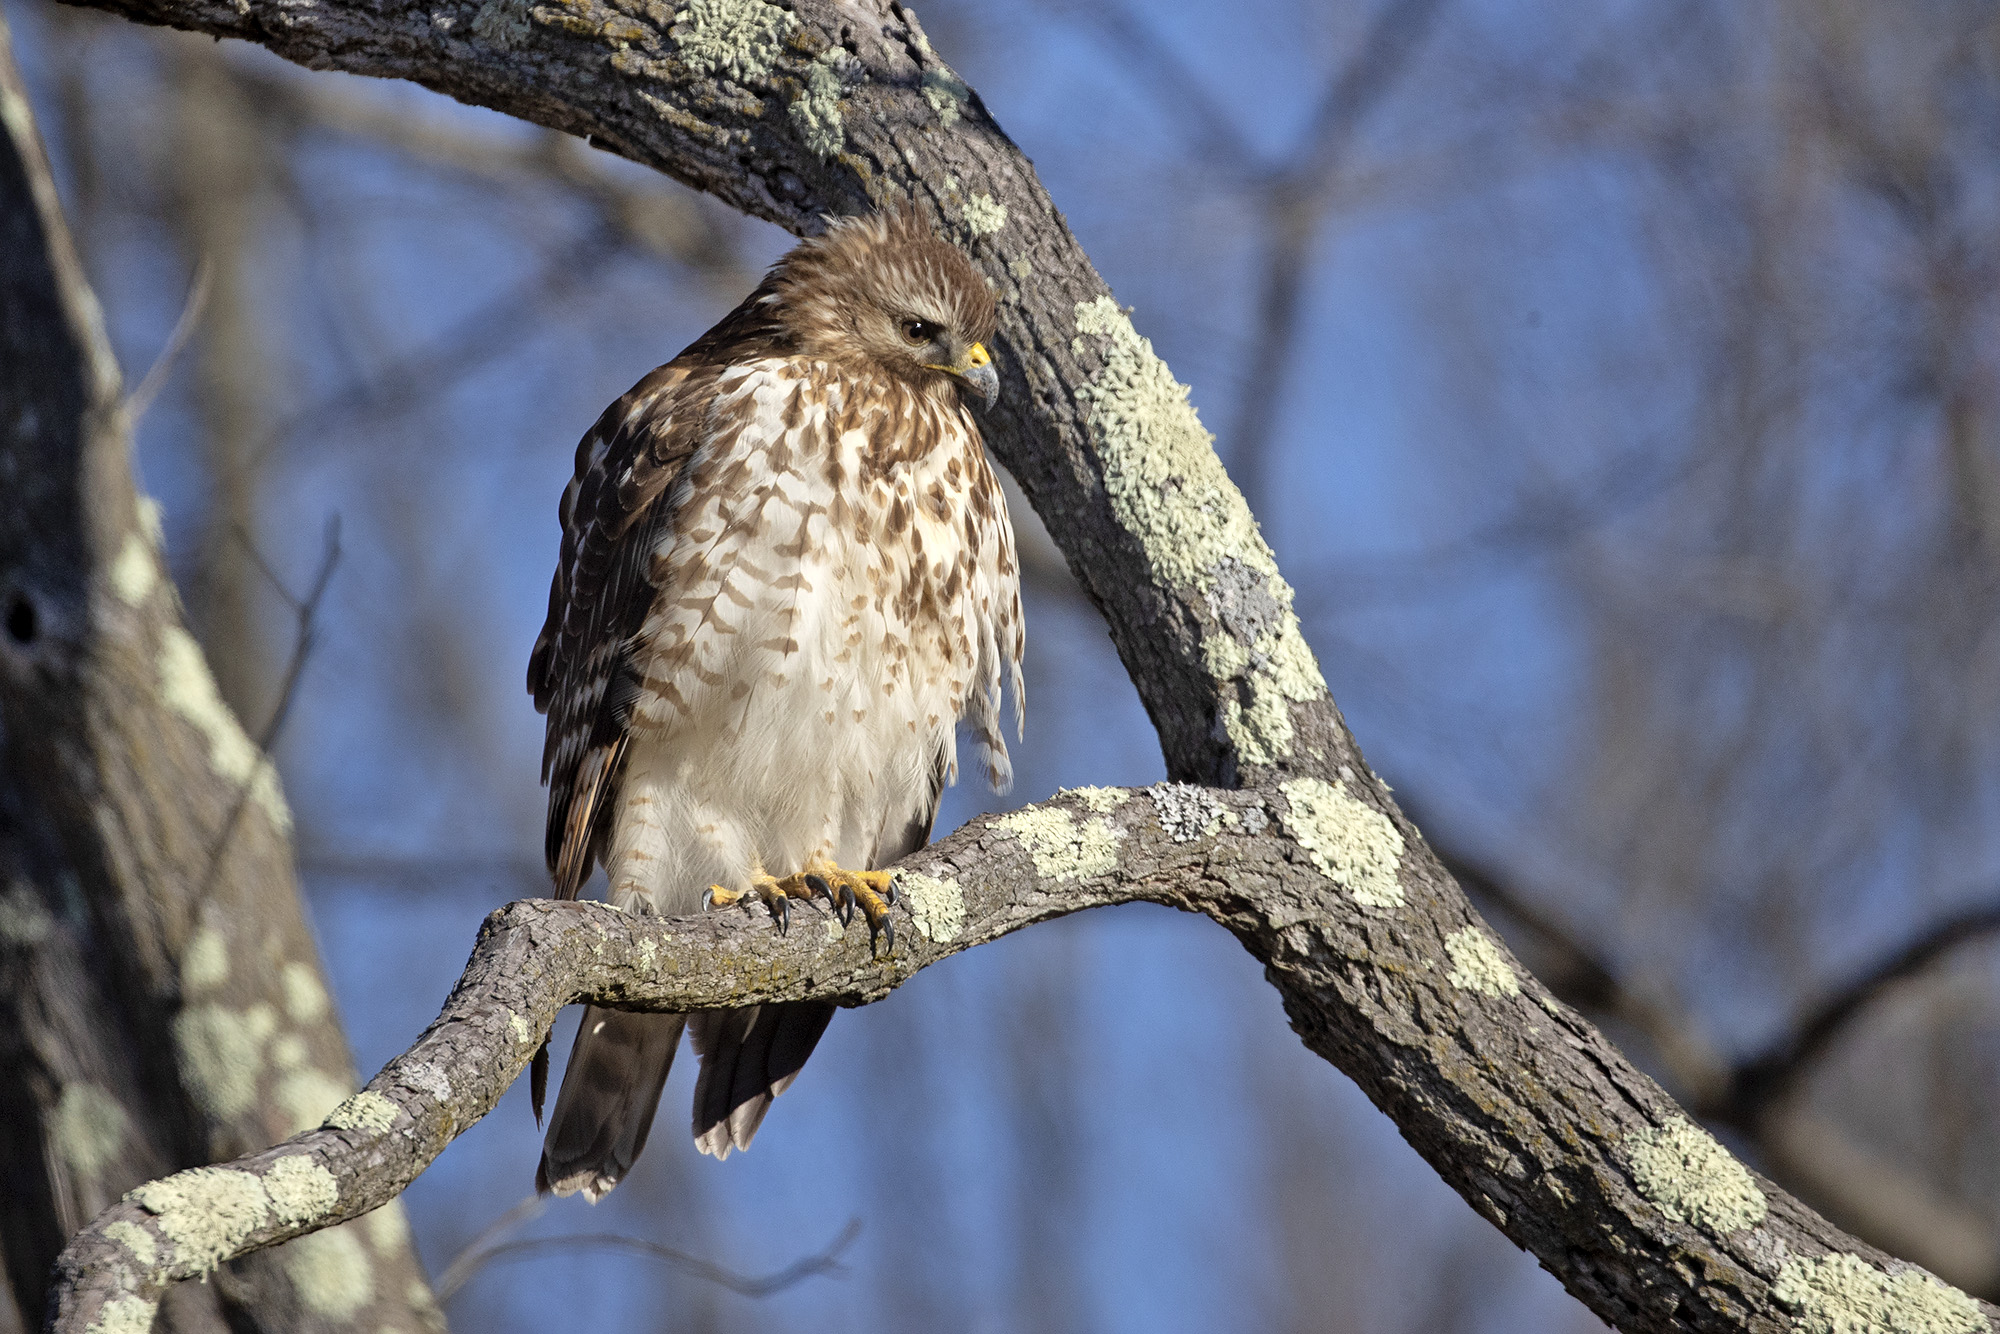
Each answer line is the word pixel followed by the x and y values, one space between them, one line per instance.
pixel 976 369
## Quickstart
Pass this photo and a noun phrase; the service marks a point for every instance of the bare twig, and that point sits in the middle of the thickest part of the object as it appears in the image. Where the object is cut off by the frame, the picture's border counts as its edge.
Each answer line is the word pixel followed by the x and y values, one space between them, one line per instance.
pixel 825 1261
pixel 156 375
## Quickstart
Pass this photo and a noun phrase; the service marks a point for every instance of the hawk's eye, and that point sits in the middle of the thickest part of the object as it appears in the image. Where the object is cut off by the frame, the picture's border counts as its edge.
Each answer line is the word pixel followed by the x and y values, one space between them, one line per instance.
pixel 920 332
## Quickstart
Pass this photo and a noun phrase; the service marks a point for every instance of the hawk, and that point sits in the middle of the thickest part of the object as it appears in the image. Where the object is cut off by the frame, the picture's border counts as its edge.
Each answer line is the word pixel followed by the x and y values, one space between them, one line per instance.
pixel 787 574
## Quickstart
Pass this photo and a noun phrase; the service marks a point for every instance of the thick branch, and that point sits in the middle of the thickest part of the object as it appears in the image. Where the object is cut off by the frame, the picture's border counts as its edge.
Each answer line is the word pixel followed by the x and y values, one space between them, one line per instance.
pixel 1545 1129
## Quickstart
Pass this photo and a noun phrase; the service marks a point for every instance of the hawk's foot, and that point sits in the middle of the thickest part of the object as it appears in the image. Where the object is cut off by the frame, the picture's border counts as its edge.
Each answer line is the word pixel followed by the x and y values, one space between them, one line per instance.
pixel 869 892
pixel 774 894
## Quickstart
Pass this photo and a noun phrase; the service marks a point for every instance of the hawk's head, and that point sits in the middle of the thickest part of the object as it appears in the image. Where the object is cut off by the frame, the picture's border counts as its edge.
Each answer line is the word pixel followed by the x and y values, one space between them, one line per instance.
pixel 884 291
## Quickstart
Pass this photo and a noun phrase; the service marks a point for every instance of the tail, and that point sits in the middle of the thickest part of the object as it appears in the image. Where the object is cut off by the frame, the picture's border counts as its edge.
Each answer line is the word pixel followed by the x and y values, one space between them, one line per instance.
pixel 610 1090
pixel 748 1057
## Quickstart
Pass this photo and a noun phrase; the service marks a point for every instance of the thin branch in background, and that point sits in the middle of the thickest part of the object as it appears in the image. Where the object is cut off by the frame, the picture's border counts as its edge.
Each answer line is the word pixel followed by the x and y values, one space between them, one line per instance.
pixel 1296 199
pixel 1766 1079
pixel 307 611
pixel 491 331
pixel 476 1252
pixel 826 1261
pixel 156 375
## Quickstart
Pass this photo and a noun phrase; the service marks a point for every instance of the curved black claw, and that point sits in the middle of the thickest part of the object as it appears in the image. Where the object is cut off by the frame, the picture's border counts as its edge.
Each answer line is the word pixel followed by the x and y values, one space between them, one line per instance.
pixel 887 930
pixel 781 913
pixel 891 897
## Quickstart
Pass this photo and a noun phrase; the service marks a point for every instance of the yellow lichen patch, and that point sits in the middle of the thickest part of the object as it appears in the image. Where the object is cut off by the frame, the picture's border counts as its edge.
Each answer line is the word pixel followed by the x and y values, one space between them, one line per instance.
pixel 1062 848
pixel 123 1315
pixel 221 1054
pixel 189 690
pixel 984 215
pixel 647 952
pixel 518 1026
pixel 90 1127
pixel 205 962
pixel 366 1110
pixel 136 570
pixel 1477 964
pixel 816 110
pixel 308 1096
pixel 737 38
pixel 1353 844
pixel 305 997
pixel 1691 1178
pixel 331 1271
pixel 388 1228
pixel 134 1239
pixel 206 1212
pixel 1103 800
pixel 1844 1294
pixel 1020 270
pixel 1170 491
pixel 937 904
pixel 944 91
pixel 300 1189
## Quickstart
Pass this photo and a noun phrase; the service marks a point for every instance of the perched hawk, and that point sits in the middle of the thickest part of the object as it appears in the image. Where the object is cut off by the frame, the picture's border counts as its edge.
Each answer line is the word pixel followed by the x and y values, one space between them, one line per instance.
pixel 787 573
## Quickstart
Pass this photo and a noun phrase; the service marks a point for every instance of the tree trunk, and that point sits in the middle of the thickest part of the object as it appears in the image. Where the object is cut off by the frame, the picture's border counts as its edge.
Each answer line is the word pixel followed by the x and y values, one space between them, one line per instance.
pixel 161 1000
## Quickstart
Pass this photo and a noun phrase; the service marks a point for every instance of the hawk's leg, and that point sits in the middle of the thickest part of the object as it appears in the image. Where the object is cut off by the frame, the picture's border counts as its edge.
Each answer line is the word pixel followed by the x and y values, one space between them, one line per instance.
pixel 775 894
pixel 870 892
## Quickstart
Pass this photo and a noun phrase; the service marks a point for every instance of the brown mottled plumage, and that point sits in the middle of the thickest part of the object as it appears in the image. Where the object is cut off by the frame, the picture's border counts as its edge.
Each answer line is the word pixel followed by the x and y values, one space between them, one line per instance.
pixel 786 574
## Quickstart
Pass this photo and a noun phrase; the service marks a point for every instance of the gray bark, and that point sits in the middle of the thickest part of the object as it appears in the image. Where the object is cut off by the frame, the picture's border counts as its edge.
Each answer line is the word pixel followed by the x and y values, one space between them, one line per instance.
pixel 161 1001
pixel 1384 968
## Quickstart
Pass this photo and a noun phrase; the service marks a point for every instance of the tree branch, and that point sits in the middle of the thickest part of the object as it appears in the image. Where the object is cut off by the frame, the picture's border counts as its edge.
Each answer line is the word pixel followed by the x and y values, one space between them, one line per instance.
pixel 1385 970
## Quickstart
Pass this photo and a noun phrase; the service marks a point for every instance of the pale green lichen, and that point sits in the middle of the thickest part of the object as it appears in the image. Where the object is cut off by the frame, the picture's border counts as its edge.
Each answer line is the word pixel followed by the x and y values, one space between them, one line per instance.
pixel 944 91
pixel 1353 844
pixel 1691 1178
pixel 206 1212
pixel 135 571
pixel 300 1189
pixel 388 1228
pixel 305 997
pixel 518 1026
pixel 834 930
pixel 1103 800
pixel 1062 848
pixel 366 1110
pixel 740 39
pixel 1477 964
pixel 648 951
pixel 1020 270
pixel 23 919
pixel 1844 1294
pixel 937 904
pixel 984 215
pixel 124 1315
pixel 189 690
pixel 205 962
pixel 504 23
pixel 816 110
pixel 1167 488
pixel 221 1054
pixel 331 1271
pixel 90 1128
pixel 308 1096
pixel 134 1239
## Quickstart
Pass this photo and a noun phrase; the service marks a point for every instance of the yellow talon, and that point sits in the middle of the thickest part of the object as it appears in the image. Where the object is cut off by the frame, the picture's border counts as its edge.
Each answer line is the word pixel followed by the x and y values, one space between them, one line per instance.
pixel 872 892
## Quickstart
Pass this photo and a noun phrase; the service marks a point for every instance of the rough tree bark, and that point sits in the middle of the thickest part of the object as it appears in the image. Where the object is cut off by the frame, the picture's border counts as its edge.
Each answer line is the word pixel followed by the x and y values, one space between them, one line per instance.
pixel 822 106
pixel 161 1002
